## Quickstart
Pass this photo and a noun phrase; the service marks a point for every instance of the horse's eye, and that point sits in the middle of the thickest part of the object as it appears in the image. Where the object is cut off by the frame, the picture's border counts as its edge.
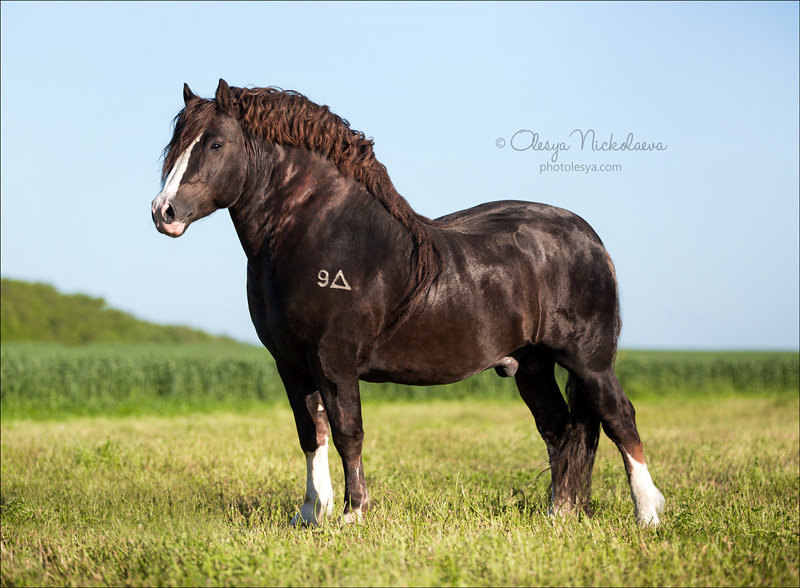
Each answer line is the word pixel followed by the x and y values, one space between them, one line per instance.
pixel 215 146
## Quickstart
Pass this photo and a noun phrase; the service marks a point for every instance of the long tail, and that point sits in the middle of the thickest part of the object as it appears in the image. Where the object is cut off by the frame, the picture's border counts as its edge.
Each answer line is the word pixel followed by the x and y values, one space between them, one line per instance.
pixel 617 311
pixel 577 450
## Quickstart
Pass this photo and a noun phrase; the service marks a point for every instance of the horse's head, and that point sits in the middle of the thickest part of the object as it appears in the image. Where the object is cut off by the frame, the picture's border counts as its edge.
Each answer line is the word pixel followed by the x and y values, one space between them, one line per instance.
pixel 204 167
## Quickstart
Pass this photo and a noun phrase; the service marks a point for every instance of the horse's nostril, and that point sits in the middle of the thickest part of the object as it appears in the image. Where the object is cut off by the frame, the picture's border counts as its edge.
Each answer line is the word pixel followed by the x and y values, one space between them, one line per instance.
pixel 169 214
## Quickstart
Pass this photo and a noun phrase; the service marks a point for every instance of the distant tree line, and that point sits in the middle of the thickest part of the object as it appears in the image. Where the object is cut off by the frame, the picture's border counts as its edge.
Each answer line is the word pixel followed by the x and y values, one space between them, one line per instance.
pixel 39 312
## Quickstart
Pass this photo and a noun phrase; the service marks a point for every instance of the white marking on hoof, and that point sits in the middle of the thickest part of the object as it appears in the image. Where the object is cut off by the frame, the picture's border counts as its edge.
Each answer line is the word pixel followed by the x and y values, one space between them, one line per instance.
pixel 564 509
pixel 318 502
pixel 354 516
pixel 647 499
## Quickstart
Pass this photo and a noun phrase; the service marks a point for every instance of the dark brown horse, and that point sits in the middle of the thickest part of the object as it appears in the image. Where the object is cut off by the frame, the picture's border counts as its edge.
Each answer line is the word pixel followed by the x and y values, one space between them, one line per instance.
pixel 345 282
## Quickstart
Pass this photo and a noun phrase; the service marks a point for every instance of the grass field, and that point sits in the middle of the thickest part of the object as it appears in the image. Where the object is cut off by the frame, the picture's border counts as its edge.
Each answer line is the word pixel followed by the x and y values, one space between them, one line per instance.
pixel 459 490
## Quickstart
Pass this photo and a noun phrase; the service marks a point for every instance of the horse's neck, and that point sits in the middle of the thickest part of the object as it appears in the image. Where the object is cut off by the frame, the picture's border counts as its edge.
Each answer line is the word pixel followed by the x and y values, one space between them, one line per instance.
pixel 289 193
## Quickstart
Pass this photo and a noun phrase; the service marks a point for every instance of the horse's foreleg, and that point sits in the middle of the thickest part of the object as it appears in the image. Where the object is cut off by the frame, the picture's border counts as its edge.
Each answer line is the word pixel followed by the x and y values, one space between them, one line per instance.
pixel 619 423
pixel 312 429
pixel 340 395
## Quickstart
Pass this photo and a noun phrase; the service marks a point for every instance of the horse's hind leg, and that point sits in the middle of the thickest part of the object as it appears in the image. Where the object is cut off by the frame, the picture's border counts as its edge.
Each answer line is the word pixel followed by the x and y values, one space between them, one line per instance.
pixel 604 394
pixel 570 437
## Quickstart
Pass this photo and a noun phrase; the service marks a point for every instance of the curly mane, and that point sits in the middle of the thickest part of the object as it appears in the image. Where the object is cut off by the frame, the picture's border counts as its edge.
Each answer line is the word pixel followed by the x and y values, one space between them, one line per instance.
pixel 289 118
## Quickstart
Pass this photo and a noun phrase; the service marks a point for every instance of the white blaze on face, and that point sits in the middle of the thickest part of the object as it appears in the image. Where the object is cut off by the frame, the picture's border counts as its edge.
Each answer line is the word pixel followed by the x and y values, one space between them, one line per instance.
pixel 174 179
pixel 319 493
pixel 649 502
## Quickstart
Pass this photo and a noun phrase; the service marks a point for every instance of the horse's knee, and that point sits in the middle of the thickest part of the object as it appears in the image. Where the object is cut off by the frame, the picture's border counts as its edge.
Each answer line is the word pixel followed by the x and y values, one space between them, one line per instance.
pixel 349 442
pixel 311 422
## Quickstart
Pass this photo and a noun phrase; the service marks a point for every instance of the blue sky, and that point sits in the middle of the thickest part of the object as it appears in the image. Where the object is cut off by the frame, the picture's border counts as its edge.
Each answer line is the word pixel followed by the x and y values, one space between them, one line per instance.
pixel 704 233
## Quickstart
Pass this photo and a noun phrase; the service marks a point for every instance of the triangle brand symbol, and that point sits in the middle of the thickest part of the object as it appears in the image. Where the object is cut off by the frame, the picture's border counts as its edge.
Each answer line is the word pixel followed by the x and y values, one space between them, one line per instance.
pixel 339 282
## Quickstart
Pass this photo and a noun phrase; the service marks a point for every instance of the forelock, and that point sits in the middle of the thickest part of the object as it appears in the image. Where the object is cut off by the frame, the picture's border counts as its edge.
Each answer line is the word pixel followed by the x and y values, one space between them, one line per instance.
pixel 188 125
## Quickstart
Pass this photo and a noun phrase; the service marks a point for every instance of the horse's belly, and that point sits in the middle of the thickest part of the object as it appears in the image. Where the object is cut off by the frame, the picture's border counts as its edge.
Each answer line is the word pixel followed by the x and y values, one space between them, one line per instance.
pixel 445 373
pixel 445 349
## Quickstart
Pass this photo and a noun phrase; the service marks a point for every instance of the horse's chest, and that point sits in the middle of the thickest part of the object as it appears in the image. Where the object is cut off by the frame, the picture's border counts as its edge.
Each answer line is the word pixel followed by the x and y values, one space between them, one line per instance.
pixel 268 313
pixel 289 316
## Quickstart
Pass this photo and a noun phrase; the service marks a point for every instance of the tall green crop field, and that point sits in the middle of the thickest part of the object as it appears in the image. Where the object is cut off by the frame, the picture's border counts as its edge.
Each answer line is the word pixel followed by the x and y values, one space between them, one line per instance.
pixel 50 381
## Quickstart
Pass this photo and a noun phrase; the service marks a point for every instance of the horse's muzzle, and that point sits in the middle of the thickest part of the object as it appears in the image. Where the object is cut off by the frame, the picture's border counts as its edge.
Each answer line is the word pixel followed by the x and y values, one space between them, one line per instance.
pixel 164 218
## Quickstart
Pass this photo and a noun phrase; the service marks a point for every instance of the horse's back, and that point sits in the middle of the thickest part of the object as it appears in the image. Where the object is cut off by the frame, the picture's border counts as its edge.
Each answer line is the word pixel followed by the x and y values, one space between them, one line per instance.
pixel 559 267
pixel 506 216
pixel 514 275
pixel 529 241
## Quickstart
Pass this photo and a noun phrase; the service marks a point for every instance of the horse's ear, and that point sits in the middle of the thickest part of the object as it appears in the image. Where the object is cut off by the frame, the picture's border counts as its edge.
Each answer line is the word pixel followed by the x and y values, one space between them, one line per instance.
pixel 187 93
pixel 223 98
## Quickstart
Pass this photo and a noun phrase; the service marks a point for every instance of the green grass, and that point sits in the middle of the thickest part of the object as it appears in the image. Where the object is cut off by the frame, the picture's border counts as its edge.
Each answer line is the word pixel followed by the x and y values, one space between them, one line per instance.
pixel 458 490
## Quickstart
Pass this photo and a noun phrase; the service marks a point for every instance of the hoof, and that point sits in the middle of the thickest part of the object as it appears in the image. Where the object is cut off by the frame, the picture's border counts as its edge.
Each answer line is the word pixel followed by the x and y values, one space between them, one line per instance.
pixel 647 499
pixel 649 507
pixel 565 509
pixel 353 516
pixel 312 514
